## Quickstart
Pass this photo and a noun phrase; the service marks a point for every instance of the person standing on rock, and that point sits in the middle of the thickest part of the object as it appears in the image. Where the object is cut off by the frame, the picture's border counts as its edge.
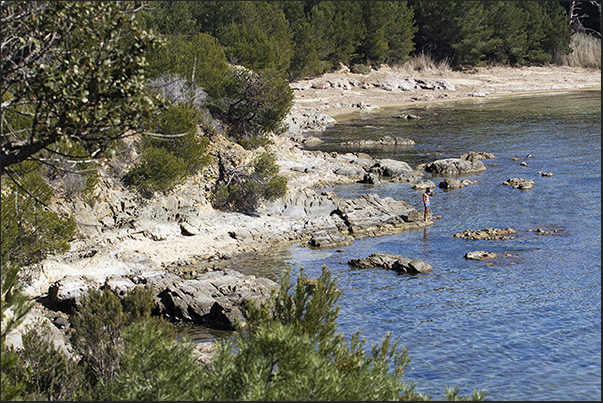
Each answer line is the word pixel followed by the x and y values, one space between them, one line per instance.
pixel 426 202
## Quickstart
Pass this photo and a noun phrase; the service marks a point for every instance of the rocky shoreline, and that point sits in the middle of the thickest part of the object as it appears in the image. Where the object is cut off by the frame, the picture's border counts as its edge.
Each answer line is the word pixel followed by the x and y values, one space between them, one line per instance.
pixel 125 240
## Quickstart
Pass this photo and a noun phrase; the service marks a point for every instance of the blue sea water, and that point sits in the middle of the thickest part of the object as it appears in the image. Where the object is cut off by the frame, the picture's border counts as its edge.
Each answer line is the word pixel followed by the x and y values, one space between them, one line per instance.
pixel 526 326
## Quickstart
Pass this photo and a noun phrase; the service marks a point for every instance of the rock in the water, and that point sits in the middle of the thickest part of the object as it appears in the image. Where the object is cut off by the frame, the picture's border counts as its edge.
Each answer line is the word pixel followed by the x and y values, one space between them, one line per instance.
pixel 397 263
pixel 480 255
pixel 520 183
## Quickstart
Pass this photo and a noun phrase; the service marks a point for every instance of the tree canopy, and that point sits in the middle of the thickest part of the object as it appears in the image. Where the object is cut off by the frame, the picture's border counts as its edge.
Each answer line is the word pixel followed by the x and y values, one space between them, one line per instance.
pixel 71 72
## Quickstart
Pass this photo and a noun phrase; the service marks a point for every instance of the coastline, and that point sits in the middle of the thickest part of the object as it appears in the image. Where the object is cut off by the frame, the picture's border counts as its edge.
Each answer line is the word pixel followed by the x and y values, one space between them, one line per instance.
pixel 113 254
pixel 488 82
pixel 161 244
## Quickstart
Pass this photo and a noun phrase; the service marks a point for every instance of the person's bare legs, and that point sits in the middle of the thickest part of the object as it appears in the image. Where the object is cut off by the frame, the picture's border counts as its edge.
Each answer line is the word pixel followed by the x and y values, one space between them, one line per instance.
pixel 425 215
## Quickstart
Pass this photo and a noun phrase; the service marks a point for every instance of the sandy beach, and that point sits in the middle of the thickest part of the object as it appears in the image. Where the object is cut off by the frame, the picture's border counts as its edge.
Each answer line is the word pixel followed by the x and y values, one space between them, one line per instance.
pixel 481 82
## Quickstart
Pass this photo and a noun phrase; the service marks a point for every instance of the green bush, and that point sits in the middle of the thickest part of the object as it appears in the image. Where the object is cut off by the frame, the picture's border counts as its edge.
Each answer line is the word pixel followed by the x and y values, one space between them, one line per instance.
pixel 199 59
pixel 48 372
pixel 155 366
pixel 243 191
pixel 290 350
pixel 29 230
pixel 255 103
pixel 14 305
pixel 171 155
pixel 96 335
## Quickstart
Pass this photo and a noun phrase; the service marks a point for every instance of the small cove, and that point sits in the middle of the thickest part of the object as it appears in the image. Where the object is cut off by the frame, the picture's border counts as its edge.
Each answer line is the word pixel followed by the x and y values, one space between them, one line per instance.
pixel 522 327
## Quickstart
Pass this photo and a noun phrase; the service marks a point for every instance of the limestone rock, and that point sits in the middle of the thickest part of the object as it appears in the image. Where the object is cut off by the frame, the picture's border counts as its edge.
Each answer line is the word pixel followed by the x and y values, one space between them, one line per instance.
pixel 397 263
pixel 454 166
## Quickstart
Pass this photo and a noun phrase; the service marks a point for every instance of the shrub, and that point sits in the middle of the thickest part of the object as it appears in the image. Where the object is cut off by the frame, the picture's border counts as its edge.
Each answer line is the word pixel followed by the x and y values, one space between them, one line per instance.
pixel 199 60
pixel 154 366
pixel 48 372
pixel 290 351
pixel 361 69
pixel 255 103
pixel 169 157
pixel 14 305
pixel 97 324
pixel 29 229
pixel 242 190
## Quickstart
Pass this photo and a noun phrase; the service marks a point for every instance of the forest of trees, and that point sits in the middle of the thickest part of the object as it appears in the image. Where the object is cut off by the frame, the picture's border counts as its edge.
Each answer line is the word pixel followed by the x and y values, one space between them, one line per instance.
pixel 306 38
pixel 80 77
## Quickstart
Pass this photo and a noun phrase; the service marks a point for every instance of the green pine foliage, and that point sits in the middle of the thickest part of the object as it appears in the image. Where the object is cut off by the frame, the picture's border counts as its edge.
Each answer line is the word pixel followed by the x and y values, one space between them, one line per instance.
pixel 290 350
pixel 97 323
pixel 29 229
pixel 154 366
pixel 199 59
pixel 255 103
pixel 390 30
pixel 14 305
pixel 474 33
pixel 258 37
pixel 301 39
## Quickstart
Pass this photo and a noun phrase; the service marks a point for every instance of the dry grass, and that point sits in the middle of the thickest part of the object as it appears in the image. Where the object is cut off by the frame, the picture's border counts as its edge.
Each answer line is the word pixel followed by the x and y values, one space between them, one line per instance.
pixel 587 52
pixel 424 64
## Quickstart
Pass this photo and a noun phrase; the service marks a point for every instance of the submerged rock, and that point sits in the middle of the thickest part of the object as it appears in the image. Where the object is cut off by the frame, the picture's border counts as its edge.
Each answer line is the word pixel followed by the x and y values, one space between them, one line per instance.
pixel 520 183
pixel 480 255
pixel 486 233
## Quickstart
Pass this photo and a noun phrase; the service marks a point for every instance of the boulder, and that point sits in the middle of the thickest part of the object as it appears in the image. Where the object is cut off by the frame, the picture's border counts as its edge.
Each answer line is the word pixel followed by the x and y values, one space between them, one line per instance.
pixel 519 183
pixel 454 166
pixel 397 263
pixel 480 255
pixel 477 155
pixel 450 183
pixel 390 168
pixel 214 298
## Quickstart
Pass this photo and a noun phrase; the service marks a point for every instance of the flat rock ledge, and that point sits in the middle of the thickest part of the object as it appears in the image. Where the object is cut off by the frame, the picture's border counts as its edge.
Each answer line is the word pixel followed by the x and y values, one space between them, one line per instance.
pixel 396 263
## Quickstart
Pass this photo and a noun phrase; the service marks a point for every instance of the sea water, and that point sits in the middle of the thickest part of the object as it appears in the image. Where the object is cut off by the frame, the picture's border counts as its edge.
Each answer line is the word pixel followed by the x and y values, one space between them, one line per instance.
pixel 523 326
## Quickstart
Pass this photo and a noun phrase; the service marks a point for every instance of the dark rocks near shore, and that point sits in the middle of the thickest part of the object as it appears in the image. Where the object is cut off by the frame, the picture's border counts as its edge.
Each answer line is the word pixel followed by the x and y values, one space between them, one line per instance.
pixel 451 183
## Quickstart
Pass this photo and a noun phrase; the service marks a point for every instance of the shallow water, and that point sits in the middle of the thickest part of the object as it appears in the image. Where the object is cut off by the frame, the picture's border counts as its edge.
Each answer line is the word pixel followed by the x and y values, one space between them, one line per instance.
pixel 522 327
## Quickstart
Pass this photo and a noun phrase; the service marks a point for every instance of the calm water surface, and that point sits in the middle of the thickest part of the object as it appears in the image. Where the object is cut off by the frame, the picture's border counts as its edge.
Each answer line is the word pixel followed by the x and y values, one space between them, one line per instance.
pixel 522 327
